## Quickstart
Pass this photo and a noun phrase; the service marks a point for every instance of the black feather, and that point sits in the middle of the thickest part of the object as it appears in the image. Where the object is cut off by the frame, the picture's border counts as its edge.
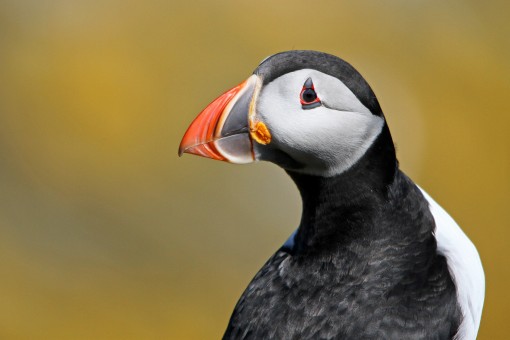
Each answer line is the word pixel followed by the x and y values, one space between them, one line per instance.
pixel 364 264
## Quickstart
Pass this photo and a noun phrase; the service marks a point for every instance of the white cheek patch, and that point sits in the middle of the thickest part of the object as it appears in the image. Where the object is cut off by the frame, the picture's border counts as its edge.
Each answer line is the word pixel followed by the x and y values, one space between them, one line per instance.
pixel 328 139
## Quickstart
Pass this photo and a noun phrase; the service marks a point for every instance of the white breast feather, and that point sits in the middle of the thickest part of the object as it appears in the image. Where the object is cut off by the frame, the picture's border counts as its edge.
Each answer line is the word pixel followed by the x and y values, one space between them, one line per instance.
pixel 465 267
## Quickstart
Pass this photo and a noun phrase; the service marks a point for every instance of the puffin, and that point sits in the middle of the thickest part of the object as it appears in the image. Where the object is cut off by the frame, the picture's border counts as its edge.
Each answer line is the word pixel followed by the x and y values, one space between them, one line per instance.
pixel 374 256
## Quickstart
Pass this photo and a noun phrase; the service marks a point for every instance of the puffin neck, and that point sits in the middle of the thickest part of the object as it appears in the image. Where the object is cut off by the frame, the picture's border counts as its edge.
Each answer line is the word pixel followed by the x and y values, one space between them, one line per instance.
pixel 339 209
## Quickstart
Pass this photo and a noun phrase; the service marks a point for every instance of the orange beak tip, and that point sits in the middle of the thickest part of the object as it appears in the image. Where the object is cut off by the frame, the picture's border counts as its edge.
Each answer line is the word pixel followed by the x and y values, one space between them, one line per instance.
pixel 181 150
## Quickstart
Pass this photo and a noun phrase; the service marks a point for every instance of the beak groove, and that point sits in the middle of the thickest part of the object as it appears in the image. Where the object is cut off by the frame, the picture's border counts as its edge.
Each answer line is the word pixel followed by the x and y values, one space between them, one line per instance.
pixel 221 131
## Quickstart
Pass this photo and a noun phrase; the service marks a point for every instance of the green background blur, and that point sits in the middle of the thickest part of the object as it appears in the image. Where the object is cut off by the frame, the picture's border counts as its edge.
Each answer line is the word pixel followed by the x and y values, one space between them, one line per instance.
pixel 105 233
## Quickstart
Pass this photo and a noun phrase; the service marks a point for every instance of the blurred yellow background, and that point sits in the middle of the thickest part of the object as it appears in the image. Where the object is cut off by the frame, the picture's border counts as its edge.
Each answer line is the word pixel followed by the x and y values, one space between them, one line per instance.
pixel 106 234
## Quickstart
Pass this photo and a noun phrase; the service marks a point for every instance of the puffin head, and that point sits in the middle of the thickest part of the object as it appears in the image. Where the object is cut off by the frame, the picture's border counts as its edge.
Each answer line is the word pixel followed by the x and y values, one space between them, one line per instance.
pixel 306 111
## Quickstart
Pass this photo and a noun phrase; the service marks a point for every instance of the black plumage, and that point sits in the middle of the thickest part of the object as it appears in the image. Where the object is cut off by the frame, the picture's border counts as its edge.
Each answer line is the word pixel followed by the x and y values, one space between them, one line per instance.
pixel 364 263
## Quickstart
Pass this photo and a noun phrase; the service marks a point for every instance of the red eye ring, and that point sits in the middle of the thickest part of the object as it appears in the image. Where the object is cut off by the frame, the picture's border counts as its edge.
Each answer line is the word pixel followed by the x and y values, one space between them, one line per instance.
pixel 308 97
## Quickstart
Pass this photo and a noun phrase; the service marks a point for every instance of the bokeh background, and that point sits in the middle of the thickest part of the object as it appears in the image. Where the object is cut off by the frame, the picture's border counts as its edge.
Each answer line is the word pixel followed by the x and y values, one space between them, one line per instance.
pixel 106 234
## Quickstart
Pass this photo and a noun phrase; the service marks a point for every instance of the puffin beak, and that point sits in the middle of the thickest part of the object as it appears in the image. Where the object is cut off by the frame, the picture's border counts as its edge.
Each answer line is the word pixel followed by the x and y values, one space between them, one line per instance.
pixel 222 131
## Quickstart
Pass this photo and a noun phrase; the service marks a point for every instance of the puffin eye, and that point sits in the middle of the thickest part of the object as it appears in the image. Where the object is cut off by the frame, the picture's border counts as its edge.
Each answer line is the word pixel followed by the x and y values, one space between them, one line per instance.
pixel 308 97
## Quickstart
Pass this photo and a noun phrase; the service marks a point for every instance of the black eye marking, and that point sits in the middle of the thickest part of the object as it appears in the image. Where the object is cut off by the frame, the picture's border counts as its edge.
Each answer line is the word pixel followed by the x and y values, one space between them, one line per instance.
pixel 308 96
